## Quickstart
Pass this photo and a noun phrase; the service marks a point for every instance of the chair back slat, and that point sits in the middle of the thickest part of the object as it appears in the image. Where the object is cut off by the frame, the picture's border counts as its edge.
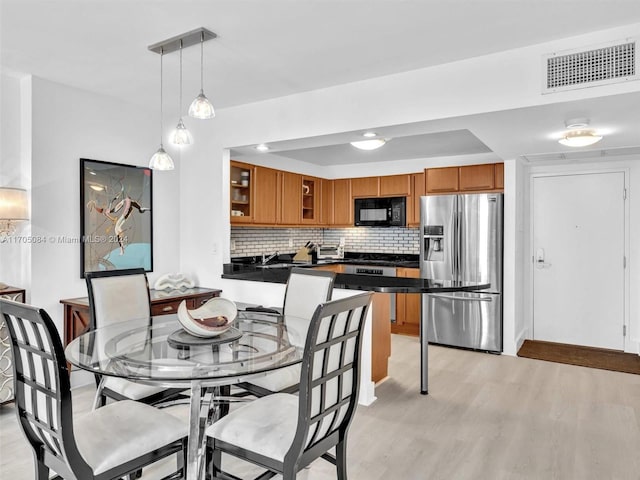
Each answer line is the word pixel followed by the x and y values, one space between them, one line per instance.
pixel 329 384
pixel 42 387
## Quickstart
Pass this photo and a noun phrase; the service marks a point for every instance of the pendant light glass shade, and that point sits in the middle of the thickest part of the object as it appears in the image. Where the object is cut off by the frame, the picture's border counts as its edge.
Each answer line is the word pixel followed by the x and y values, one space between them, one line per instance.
pixel 180 135
pixel 201 107
pixel 161 160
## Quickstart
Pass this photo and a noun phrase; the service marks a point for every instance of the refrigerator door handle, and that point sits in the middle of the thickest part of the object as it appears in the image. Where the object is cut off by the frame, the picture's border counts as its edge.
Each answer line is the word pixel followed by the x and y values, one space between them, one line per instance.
pixel 455 243
pixel 464 299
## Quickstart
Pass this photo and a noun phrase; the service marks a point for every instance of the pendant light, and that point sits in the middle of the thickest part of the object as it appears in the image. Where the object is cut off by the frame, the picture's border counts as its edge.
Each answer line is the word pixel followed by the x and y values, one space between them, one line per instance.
pixel 201 107
pixel 180 135
pixel 161 159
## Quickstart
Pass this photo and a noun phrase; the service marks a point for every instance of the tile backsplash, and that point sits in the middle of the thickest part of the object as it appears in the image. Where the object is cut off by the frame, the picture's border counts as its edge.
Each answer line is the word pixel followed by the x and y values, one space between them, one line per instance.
pixel 248 241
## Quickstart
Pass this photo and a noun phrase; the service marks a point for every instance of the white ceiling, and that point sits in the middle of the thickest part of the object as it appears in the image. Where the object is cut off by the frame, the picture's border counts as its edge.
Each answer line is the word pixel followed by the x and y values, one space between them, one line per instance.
pixel 274 48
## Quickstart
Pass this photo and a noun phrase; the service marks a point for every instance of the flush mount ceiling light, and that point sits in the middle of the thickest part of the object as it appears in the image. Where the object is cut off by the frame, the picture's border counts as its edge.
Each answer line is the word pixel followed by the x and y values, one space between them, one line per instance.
pixel 371 144
pixel 262 147
pixel 161 160
pixel 579 135
pixel 369 134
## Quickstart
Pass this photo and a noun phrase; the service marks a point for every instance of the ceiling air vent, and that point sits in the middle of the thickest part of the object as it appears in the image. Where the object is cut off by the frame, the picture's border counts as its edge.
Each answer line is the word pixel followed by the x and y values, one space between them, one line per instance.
pixel 611 63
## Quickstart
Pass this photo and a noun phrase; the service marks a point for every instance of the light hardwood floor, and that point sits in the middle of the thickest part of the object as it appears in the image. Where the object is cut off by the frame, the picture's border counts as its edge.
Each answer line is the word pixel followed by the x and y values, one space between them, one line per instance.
pixel 486 417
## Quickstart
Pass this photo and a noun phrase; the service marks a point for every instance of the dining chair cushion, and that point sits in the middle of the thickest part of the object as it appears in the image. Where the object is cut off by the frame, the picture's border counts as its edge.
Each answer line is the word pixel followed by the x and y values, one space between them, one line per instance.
pixel 266 426
pixel 305 291
pixel 279 379
pixel 121 297
pixel 131 390
pixel 108 429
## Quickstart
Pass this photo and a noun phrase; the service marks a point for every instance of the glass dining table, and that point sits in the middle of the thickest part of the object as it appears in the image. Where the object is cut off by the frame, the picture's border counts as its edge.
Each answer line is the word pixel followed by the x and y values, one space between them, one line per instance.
pixel 156 351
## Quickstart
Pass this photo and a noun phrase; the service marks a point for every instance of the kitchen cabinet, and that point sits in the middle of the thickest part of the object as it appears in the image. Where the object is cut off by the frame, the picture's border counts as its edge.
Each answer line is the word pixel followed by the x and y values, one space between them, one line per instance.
pixel 310 200
pixel 499 176
pixel 334 267
pixel 395 186
pixel 477 177
pixel 342 202
pixel 291 198
pixel 265 183
pixel 380 336
pixel 326 202
pixel 413 201
pixel 241 192
pixel 408 307
pixel 468 178
pixel 441 180
pixel 365 187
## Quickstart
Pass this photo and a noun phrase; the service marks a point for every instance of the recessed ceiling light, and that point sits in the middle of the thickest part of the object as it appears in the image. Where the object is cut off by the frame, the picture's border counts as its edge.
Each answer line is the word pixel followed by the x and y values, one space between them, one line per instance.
pixel 369 144
pixel 262 148
pixel 369 134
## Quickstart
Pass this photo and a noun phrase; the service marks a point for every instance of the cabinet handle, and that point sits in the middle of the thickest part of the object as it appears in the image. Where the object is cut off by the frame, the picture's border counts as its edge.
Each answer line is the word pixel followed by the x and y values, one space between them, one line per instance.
pixel 168 308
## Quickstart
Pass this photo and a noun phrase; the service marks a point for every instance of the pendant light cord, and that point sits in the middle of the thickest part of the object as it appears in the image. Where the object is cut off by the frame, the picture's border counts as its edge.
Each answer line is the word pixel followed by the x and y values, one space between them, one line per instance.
pixel 180 101
pixel 202 62
pixel 161 55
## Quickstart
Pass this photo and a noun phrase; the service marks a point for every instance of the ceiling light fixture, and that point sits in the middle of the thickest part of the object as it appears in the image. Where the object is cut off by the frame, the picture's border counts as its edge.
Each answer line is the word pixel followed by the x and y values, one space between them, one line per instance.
pixel 579 135
pixel 262 147
pixel 369 134
pixel 201 107
pixel 369 144
pixel 181 135
pixel 161 160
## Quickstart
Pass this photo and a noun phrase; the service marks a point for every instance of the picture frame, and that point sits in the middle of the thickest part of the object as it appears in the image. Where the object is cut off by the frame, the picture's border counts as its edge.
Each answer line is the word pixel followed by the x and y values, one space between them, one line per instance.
pixel 116 216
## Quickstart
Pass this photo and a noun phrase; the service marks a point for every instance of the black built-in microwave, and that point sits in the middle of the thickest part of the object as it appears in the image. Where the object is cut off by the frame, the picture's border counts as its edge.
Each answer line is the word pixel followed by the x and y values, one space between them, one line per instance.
pixel 380 212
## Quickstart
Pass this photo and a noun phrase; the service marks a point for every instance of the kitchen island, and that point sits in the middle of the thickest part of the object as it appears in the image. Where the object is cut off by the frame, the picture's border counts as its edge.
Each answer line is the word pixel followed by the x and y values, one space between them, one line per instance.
pixel 381 284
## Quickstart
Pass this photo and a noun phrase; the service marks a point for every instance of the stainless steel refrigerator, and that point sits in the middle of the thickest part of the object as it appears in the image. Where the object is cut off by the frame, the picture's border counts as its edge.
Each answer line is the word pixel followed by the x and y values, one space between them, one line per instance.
pixel 462 240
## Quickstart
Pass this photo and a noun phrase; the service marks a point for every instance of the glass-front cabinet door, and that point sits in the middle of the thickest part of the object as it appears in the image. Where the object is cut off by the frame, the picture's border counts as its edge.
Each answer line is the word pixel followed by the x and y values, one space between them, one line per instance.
pixel 241 192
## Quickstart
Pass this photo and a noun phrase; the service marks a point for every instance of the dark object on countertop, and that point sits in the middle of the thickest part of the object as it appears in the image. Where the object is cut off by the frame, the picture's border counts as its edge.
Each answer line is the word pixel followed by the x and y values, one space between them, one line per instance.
pixel 262 309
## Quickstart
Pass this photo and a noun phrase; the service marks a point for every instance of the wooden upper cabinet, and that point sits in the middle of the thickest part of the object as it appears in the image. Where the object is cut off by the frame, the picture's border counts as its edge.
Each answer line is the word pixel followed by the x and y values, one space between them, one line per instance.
pixel 499 181
pixel 365 187
pixel 241 192
pixel 310 192
pixel 477 177
pixel 342 202
pixel 413 201
pixel 291 203
pixel 265 182
pixel 395 186
pixel 442 180
pixel 326 202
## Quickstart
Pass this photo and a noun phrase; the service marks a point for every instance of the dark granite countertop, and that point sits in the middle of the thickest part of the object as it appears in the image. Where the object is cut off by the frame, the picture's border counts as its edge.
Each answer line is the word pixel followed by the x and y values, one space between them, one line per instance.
pixel 372 283
pixel 353 258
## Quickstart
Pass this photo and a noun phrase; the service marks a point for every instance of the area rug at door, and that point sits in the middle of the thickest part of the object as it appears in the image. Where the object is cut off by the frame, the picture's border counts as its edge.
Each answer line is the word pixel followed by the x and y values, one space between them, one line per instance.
pixel 584 356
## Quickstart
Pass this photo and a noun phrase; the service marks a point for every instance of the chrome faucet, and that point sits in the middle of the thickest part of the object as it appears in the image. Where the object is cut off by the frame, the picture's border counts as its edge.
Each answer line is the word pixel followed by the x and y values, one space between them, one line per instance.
pixel 266 260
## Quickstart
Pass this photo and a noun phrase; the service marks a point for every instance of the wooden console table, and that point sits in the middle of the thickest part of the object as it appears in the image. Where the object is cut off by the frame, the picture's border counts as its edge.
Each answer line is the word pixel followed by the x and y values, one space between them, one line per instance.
pixel 163 302
pixel 6 359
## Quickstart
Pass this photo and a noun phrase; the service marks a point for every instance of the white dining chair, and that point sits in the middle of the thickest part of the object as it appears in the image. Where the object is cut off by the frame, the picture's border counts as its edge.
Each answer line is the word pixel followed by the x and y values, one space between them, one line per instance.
pixel 284 432
pixel 105 444
pixel 116 296
pixel 306 289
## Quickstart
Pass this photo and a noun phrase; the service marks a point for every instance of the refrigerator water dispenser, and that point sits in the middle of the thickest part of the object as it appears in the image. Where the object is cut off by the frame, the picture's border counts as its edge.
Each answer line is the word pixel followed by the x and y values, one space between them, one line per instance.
pixel 434 243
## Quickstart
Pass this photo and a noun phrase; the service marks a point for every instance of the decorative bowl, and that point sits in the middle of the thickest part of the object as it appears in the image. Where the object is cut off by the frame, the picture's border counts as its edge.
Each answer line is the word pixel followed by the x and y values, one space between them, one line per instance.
pixel 211 319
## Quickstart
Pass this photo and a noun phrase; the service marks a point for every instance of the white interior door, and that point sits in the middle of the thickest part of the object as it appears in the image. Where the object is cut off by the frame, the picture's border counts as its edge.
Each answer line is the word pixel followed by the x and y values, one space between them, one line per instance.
pixel 578 255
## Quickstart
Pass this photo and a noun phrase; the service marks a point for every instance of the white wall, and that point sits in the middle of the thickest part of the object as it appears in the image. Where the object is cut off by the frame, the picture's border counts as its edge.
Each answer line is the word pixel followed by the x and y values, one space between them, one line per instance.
pixel 69 124
pixel 15 170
